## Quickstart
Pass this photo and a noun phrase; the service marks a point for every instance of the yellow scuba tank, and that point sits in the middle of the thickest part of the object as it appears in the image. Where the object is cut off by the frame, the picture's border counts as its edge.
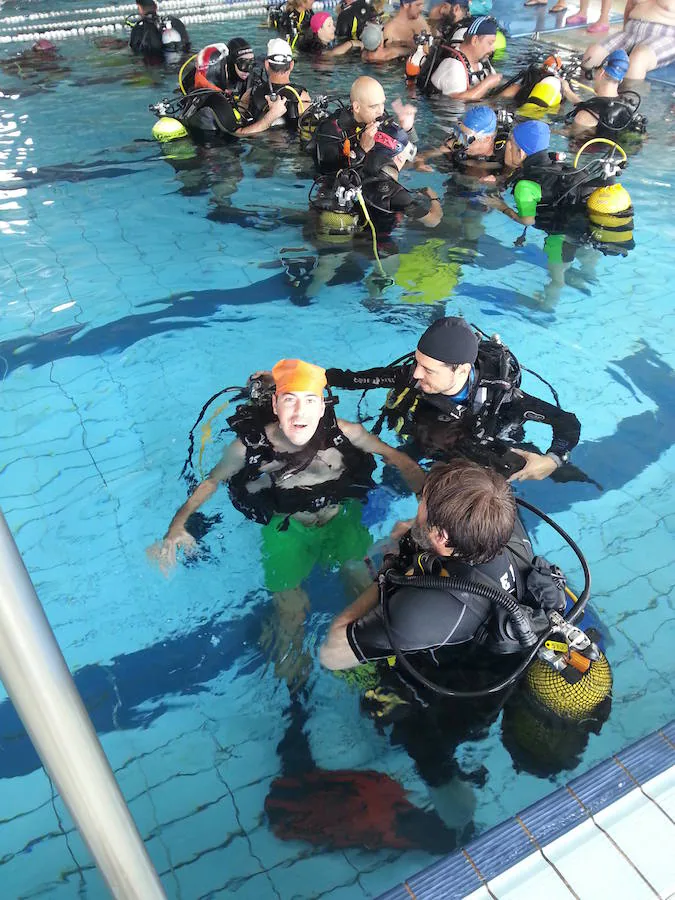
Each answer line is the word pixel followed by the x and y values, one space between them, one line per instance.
pixel 168 129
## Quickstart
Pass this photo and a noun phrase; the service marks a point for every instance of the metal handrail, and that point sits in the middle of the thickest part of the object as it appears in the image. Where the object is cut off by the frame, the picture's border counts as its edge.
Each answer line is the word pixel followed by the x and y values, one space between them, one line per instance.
pixel 43 692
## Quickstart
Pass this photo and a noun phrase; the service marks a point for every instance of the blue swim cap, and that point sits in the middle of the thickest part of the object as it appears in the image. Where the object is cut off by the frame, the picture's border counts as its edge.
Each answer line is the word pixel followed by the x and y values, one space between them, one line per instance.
pixel 616 65
pixel 532 136
pixel 480 119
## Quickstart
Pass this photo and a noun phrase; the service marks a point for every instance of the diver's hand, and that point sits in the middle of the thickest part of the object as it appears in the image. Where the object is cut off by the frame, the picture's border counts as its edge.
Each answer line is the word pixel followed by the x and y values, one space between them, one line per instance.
pixel 405 113
pixel 367 137
pixel 276 108
pixel 536 468
pixel 164 552
pixel 492 80
pixel 493 201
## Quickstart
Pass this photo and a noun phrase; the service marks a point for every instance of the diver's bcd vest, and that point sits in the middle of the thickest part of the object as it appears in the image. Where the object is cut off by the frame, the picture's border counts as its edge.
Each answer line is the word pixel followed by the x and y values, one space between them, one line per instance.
pixel 538 587
pixel 614 114
pixel 249 423
pixel 441 51
pixel 210 109
pixel 562 185
pixel 291 92
pixel 498 377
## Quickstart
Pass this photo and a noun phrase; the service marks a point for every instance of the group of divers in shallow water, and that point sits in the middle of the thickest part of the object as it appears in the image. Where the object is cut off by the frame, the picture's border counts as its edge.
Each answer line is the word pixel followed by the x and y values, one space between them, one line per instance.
pixel 455 619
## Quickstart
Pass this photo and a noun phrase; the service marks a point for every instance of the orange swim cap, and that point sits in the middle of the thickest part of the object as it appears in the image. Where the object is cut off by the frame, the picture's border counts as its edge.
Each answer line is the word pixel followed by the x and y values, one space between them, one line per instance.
pixel 295 375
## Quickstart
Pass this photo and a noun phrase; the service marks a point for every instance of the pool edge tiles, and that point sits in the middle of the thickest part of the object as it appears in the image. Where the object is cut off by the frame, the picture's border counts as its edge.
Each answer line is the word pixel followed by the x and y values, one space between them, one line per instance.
pixel 527 839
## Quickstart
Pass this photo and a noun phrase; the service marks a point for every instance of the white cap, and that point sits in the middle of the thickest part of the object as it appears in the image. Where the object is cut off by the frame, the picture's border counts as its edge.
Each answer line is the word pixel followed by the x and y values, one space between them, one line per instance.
pixel 279 50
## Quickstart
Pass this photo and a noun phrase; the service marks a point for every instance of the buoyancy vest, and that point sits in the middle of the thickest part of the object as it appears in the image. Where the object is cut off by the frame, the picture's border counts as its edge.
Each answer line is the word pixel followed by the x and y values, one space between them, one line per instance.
pixel 410 413
pixel 211 109
pixel 442 51
pixel 249 424
pixel 614 114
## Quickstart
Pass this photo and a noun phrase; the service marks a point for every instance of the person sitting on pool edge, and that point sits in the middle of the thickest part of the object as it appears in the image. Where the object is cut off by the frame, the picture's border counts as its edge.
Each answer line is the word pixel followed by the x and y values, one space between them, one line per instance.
pixel 457 397
pixel 294 473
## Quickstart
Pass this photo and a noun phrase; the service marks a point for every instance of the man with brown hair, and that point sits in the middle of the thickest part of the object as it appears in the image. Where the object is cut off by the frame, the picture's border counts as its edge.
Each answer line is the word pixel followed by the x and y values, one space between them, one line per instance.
pixel 465 519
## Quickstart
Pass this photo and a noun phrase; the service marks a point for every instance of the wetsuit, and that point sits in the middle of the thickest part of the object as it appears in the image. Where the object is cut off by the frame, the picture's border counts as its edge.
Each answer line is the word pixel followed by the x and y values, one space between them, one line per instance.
pixel 435 622
pixel 292 92
pixel 329 144
pixel 146 35
pixel 388 201
pixel 330 136
pixel 478 423
pixel 614 114
pixel 352 19
pixel 211 110
pixel 293 26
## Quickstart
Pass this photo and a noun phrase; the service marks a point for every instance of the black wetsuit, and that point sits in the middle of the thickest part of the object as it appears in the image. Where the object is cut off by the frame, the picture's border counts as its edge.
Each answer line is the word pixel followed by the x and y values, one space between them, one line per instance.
pixel 258 105
pixel 435 622
pixel 388 201
pixel 352 19
pixel 146 35
pixel 440 427
pixel 329 144
pixel 212 111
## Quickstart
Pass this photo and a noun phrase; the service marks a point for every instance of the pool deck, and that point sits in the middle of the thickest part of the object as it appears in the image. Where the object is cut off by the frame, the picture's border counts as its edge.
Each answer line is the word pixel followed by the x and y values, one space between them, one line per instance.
pixel 607 833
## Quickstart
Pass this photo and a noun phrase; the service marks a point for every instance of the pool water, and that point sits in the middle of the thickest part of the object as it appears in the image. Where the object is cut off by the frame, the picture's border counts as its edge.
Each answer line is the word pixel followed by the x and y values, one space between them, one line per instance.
pixel 137 281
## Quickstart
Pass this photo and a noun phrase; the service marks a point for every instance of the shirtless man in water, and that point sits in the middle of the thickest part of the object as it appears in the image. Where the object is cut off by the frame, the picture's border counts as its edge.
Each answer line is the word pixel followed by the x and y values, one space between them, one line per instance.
pixel 299 408
pixel 407 22
pixel 648 37
pixel 304 490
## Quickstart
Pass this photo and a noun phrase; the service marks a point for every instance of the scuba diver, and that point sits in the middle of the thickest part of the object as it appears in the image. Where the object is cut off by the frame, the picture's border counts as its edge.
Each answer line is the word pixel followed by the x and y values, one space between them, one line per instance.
pixel 292 467
pixel 609 113
pixel 546 189
pixel 229 69
pixel 342 139
pixel 466 529
pixel 476 146
pixel 210 107
pixel 321 40
pixel 387 200
pixel 458 613
pixel 540 87
pixel 292 21
pixel 463 72
pixel 278 67
pixel 42 59
pixel 154 36
pixel 458 396
pixel 352 17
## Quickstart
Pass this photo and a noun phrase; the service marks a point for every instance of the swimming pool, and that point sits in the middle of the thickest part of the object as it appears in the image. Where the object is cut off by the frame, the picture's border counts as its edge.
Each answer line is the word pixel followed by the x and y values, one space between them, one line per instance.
pixel 136 286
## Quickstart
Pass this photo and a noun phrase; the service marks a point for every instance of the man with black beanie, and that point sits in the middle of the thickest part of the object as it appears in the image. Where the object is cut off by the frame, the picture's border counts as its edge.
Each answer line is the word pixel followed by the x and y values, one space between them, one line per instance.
pixel 460 396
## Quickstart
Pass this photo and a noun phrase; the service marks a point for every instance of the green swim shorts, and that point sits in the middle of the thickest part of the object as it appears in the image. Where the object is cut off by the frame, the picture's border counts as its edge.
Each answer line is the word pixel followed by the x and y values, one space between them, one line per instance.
pixel 290 555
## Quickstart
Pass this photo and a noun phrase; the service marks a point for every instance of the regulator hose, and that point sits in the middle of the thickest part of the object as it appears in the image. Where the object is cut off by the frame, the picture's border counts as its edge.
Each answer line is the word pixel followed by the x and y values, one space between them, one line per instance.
pixel 572 617
pixel 521 626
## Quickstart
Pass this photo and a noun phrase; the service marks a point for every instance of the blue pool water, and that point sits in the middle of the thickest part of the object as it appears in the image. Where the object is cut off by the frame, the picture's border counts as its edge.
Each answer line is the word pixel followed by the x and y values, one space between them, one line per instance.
pixel 135 286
